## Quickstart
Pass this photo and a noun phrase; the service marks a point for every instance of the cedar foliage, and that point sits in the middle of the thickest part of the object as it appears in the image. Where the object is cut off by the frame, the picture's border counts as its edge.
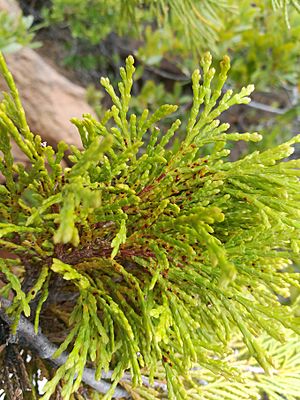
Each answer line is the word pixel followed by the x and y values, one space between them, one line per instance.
pixel 149 256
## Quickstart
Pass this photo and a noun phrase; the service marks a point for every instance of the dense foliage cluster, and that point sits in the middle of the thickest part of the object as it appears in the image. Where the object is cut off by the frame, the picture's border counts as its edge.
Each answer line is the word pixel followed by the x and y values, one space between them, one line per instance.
pixel 153 256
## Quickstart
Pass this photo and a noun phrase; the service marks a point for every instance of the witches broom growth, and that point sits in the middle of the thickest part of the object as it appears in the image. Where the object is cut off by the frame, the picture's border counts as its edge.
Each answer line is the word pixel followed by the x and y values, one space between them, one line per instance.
pixel 144 263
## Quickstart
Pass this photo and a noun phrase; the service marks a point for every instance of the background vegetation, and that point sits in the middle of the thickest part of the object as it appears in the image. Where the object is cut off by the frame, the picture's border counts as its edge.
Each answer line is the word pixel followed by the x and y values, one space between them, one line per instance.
pixel 262 39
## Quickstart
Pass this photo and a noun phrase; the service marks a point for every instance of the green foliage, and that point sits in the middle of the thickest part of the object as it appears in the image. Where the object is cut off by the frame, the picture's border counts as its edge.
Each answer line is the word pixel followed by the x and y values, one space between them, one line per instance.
pixel 255 384
pixel 174 30
pixel 94 19
pixel 172 252
pixel 263 50
pixel 197 22
pixel 284 4
pixel 15 32
pixel 90 19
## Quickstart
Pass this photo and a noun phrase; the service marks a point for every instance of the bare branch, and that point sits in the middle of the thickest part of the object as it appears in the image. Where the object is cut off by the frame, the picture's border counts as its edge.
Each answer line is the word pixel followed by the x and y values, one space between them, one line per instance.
pixel 267 108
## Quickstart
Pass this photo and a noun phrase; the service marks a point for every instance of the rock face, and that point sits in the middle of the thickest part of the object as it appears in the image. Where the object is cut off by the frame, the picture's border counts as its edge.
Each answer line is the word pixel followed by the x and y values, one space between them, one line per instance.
pixel 49 99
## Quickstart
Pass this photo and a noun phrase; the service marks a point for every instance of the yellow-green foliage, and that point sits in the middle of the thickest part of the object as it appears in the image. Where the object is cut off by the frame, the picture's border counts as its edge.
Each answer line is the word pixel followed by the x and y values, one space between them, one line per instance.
pixel 15 32
pixel 170 252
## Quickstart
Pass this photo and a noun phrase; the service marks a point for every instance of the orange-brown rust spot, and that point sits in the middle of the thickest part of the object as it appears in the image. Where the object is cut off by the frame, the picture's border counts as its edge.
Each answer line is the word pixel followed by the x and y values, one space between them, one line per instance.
pixel 165 359
pixel 160 177
pixel 146 189
pixel 165 273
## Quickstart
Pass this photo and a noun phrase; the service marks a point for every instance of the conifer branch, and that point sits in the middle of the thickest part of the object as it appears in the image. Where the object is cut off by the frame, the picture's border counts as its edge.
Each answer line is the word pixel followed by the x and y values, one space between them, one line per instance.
pixel 40 345
pixel 171 250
